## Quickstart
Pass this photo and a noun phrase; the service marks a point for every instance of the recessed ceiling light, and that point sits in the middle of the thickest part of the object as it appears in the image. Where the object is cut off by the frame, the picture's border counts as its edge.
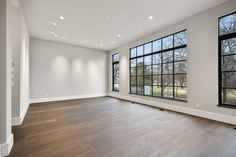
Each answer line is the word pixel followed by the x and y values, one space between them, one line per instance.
pixel 62 17
pixel 53 23
pixel 112 42
pixel 63 38
pixel 81 41
pixel 55 35
pixel 101 45
pixel 119 35
pixel 150 17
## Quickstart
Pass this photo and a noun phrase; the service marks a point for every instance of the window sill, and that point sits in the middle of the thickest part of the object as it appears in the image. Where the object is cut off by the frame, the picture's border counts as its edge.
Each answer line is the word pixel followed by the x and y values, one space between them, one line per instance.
pixel 185 101
pixel 115 91
pixel 227 106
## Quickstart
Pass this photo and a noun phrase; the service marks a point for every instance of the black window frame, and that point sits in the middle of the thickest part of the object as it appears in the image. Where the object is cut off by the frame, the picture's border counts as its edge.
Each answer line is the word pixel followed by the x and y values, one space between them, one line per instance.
pixel 113 65
pixel 220 71
pixel 151 54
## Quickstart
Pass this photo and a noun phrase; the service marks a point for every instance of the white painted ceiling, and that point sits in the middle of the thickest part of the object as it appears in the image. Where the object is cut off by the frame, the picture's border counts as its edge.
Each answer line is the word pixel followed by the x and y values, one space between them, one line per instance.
pixel 97 23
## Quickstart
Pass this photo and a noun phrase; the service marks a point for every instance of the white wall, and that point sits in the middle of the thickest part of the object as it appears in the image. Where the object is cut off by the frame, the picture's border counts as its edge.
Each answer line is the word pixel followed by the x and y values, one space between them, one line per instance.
pixel 202 64
pixel 6 137
pixel 24 64
pixel 63 71
pixel 20 56
pixel 15 36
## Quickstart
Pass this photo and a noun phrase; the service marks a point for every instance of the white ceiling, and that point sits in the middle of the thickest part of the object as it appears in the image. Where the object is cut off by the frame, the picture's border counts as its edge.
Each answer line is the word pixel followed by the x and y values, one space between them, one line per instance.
pixel 97 23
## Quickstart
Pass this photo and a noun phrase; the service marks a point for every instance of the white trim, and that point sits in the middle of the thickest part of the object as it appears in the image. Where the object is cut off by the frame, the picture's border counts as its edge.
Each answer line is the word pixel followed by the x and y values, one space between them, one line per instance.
pixel 19 120
pixel 50 99
pixel 5 148
pixel 16 121
pixel 195 112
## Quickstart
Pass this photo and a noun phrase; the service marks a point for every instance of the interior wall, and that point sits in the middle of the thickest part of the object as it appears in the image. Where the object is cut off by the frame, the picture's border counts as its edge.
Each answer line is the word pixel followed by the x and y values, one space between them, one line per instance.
pixel 60 70
pixel 6 137
pixel 24 63
pixel 20 60
pixel 202 71
pixel 15 35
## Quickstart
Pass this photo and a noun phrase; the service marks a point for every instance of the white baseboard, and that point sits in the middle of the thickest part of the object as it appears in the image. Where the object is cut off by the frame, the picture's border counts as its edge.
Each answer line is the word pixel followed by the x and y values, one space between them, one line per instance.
pixel 19 120
pixel 5 148
pixel 195 112
pixel 51 99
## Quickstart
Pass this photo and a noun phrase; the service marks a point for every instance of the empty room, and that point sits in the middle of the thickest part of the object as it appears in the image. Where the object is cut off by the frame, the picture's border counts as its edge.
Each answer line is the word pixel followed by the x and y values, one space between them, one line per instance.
pixel 118 78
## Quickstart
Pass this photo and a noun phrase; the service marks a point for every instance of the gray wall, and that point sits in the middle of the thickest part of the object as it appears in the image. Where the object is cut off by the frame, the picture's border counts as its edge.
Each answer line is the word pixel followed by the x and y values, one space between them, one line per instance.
pixel 202 60
pixel 61 70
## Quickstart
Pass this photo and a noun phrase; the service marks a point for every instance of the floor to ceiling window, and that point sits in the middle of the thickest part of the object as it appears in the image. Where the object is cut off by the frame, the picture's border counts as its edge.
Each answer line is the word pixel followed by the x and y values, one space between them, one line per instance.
pixel 159 68
pixel 227 60
pixel 115 72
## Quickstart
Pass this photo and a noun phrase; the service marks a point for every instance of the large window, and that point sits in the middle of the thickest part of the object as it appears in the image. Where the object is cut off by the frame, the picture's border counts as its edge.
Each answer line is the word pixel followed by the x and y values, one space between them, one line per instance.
pixel 159 68
pixel 227 60
pixel 115 72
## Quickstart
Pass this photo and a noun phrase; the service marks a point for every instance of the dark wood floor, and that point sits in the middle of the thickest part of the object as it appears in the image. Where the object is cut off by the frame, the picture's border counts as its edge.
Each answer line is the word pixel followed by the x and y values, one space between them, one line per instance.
pixel 108 127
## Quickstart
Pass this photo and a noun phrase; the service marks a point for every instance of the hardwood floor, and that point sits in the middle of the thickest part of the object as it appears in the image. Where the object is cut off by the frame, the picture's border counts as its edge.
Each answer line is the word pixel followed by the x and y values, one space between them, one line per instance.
pixel 108 127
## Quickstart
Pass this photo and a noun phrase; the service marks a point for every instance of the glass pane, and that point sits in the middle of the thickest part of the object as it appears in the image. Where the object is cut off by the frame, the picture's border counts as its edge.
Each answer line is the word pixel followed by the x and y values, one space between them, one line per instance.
pixel 229 63
pixel 116 79
pixel 147 70
pixel 156 69
pixel 156 46
pixel 133 52
pixel 181 67
pixel 157 58
pixel 167 80
pixel 116 74
pixel 180 39
pixel 140 51
pixel 227 24
pixel 157 80
pixel 133 62
pixel 133 71
pixel 140 61
pixel 181 80
pixel 157 91
pixel 181 93
pixel 133 79
pixel 148 80
pixel 139 80
pixel 229 96
pixel 148 90
pixel 168 92
pixel 148 60
pixel 167 42
pixel 116 57
pixel 140 89
pixel 147 48
pixel 139 70
pixel 229 79
pixel 181 54
pixel 116 87
pixel 167 68
pixel 167 56
pixel 228 46
pixel 133 89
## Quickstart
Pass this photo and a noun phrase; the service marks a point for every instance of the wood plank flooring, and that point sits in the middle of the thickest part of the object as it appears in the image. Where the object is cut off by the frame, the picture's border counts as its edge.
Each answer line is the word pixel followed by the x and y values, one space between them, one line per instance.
pixel 108 127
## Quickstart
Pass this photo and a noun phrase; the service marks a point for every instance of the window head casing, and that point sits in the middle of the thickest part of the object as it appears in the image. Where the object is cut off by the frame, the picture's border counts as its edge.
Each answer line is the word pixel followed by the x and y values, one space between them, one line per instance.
pixel 115 72
pixel 227 60
pixel 159 68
